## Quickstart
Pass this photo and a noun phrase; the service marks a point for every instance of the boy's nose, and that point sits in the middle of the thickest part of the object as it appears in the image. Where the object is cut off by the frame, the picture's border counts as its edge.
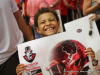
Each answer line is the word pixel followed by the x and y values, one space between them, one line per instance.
pixel 48 23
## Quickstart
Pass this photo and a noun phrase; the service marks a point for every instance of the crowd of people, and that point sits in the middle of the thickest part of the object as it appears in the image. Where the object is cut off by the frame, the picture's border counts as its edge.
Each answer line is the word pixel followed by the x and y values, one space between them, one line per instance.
pixel 69 11
pixel 25 18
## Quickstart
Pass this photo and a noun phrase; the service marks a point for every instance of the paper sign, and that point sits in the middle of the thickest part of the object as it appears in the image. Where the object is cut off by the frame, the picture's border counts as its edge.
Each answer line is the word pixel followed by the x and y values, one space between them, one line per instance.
pixel 83 25
pixel 60 54
pixel 93 40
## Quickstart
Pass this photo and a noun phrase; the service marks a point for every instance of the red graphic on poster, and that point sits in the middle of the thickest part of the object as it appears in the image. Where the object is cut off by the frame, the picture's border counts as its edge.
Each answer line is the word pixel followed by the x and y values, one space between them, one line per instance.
pixel 67 57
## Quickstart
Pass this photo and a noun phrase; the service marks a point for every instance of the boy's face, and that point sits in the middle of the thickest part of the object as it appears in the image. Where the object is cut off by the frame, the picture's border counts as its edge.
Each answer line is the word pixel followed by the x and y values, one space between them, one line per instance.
pixel 47 24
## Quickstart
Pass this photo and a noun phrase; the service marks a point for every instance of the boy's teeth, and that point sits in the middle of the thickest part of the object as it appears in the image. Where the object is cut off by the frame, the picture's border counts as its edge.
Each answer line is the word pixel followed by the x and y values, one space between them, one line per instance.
pixel 49 29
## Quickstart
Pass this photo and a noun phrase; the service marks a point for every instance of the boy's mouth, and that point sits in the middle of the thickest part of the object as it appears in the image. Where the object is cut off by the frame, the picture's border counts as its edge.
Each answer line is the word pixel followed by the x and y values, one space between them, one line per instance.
pixel 48 29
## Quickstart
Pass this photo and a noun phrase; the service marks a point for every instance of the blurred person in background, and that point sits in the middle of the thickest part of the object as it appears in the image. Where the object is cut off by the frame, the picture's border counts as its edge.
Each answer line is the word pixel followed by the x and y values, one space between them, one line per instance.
pixel 81 2
pixel 54 4
pixel 18 2
pixel 92 7
pixel 26 17
pixel 64 11
pixel 72 12
pixel 32 7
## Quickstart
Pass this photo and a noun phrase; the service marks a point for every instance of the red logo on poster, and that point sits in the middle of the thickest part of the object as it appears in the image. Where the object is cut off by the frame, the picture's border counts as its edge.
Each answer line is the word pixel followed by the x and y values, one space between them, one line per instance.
pixel 79 30
pixel 29 56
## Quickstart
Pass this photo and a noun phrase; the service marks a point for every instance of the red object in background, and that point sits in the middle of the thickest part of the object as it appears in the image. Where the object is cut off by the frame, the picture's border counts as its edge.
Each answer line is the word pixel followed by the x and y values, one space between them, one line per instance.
pixel 63 9
pixel 25 6
pixel 17 1
pixel 74 3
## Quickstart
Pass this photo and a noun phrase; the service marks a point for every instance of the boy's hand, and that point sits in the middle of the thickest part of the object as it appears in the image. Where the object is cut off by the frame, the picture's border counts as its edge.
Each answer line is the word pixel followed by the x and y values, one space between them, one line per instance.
pixel 94 17
pixel 90 52
pixel 20 68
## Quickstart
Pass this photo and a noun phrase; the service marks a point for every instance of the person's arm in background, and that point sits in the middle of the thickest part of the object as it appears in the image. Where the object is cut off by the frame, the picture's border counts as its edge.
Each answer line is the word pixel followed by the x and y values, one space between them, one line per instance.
pixel 67 4
pixel 78 2
pixel 27 11
pixel 42 4
pixel 22 26
pixel 55 3
pixel 20 5
pixel 23 7
pixel 27 8
pixel 87 9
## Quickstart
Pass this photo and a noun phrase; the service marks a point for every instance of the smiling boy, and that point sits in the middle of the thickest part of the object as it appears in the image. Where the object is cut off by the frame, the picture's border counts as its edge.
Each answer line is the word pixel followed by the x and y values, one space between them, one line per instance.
pixel 47 23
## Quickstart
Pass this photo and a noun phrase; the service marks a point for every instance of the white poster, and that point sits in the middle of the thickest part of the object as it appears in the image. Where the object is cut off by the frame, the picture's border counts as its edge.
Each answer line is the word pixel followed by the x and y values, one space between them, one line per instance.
pixel 93 40
pixel 59 54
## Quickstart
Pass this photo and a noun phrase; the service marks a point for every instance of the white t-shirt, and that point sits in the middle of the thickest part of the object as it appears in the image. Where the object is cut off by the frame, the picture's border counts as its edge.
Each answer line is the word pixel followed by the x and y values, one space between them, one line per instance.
pixel 10 35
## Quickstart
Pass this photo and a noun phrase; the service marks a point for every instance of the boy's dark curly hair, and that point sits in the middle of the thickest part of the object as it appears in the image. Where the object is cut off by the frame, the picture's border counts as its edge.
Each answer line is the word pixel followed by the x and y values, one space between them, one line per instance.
pixel 41 11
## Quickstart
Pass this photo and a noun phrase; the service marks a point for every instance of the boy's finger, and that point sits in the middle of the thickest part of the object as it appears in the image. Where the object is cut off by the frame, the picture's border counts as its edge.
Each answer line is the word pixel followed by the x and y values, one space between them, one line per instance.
pixel 90 17
pixel 19 73
pixel 90 53
pixel 20 70
pixel 89 50
pixel 92 57
pixel 21 66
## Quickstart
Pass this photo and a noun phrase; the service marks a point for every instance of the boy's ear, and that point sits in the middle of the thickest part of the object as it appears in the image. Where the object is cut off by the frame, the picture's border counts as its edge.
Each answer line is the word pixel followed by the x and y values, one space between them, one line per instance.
pixel 37 29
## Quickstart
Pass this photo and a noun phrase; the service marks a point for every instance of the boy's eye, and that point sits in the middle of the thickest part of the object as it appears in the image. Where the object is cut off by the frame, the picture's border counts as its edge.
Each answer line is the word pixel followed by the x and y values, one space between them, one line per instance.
pixel 51 19
pixel 42 22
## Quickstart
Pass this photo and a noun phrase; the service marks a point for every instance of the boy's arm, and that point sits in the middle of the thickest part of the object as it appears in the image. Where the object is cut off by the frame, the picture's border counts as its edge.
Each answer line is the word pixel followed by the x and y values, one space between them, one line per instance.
pixel 22 26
